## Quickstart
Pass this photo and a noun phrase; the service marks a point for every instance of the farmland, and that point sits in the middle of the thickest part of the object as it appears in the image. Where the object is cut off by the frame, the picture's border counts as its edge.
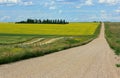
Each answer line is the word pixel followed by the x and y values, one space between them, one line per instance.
pixel 22 41
pixel 113 36
pixel 49 29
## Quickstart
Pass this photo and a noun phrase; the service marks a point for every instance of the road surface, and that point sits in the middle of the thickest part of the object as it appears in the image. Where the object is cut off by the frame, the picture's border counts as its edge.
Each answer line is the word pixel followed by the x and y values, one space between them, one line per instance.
pixel 94 60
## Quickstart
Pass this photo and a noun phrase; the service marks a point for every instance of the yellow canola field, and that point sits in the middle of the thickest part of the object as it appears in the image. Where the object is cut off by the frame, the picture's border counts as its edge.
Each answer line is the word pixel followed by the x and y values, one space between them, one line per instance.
pixel 49 29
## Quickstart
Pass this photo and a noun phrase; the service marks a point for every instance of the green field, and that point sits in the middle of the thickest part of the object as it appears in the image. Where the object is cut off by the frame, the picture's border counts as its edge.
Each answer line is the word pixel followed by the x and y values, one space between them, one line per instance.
pixel 14 39
pixel 23 41
pixel 113 35
pixel 49 29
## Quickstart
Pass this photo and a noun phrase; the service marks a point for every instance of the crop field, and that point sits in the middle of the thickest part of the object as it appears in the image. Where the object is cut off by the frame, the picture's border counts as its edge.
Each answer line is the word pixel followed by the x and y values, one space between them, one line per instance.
pixel 49 29
pixel 23 41
pixel 14 39
pixel 113 36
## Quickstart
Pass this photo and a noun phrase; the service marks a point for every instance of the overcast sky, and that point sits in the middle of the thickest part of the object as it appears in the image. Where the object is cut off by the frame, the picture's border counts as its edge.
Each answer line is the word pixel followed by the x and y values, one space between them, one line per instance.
pixel 71 10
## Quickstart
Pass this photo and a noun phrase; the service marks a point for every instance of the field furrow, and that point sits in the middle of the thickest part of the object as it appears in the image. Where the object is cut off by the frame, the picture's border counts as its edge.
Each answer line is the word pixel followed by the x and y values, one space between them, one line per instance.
pixel 33 41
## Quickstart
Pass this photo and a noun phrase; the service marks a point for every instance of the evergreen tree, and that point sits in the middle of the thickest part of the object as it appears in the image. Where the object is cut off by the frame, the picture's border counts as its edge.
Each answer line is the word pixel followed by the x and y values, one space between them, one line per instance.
pixel 47 21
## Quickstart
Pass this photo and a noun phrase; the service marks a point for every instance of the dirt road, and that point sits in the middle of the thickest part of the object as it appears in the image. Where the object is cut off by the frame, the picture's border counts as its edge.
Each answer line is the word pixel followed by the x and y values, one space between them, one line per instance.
pixel 94 60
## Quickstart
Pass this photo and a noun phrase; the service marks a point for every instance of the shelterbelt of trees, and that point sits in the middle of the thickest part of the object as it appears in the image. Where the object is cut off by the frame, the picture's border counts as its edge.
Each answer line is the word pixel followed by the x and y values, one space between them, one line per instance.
pixel 44 21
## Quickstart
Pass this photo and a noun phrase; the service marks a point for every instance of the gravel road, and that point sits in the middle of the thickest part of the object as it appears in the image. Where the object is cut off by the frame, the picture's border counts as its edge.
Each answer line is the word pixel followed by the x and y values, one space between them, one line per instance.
pixel 94 60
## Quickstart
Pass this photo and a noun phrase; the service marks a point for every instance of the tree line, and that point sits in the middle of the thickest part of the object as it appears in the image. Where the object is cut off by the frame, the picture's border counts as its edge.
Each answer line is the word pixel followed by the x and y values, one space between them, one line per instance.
pixel 44 21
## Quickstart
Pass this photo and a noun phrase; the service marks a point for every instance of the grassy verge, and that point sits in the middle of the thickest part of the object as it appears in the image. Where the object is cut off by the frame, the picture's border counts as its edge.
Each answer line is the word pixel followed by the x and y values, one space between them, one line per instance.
pixel 112 31
pixel 117 65
pixel 10 54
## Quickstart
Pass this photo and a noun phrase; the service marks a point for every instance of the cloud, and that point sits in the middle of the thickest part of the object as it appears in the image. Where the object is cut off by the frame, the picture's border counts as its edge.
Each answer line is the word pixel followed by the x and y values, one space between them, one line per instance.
pixel 54 4
pixel 4 18
pixel 118 10
pixel 89 2
pixel 27 3
pixel 110 2
pixel 15 2
pixel 60 0
pixel 52 7
pixel 86 3
pixel 66 1
pixel 9 1
pixel 103 14
pixel 79 6
pixel 51 4
pixel 76 19
pixel 107 16
pixel 60 11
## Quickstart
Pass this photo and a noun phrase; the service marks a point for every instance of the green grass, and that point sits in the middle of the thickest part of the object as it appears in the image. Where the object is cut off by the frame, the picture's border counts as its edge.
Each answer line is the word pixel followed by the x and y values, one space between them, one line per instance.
pixel 117 65
pixel 12 53
pixel 49 29
pixel 14 39
pixel 113 36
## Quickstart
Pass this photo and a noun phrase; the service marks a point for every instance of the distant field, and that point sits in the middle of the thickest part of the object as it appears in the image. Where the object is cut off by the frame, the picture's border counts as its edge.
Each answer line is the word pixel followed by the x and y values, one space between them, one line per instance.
pixel 23 41
pixel 113 36
pixel 49 29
